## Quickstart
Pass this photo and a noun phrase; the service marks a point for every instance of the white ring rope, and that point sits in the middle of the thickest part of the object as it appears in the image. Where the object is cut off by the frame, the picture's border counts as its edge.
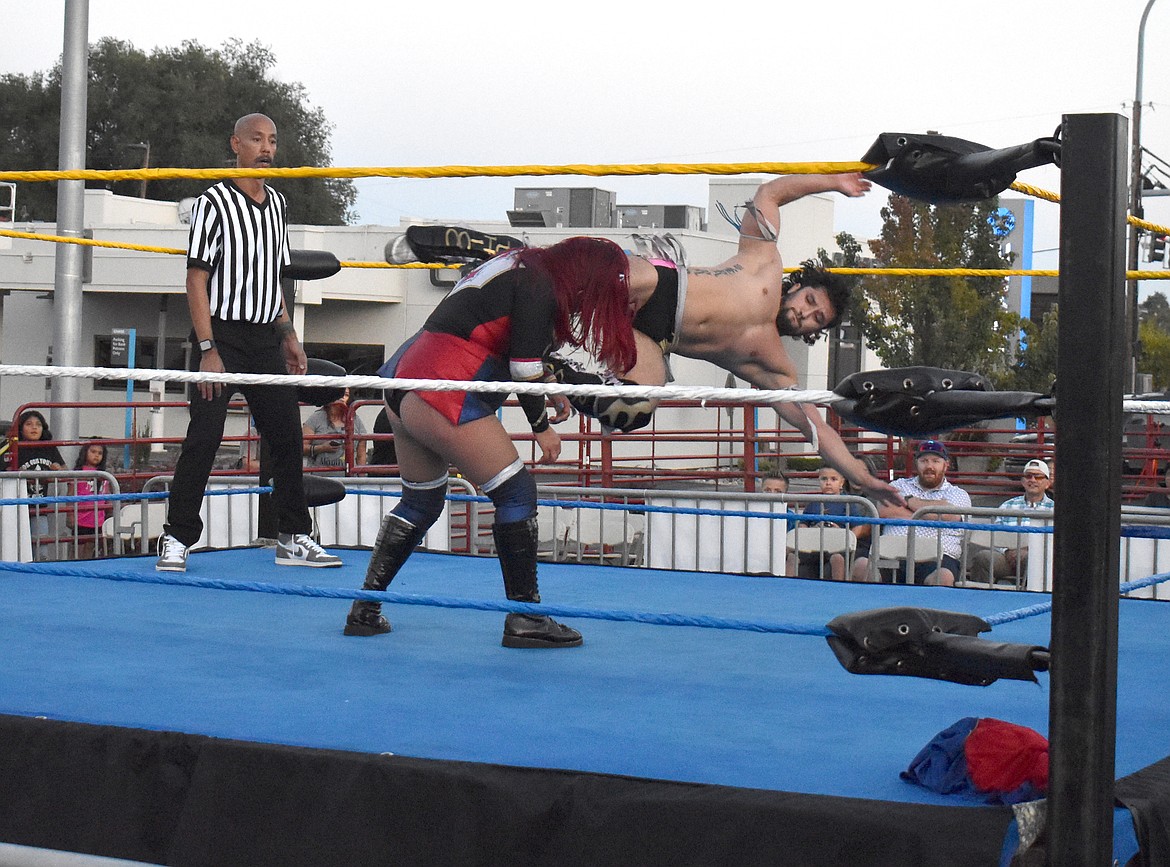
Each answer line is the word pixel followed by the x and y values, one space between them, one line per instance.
pixel 1147 407
pixel 660 392
pixel 677 392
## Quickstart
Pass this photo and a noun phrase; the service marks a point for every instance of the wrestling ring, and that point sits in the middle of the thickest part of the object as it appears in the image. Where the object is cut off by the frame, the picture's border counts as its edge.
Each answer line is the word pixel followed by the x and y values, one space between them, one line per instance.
pixel 173 722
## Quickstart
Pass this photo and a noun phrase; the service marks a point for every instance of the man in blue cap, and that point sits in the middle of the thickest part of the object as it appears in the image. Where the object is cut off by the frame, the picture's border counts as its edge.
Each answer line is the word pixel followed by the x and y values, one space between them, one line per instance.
pixel 926 488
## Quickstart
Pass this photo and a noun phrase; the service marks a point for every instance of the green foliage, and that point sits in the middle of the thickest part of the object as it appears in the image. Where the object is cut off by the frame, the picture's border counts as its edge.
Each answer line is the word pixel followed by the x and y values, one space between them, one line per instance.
pixel 1155 310
pixel 1155 353
pixel 951 322
pixel 804 463
pixel 1034 367
pixel 184 101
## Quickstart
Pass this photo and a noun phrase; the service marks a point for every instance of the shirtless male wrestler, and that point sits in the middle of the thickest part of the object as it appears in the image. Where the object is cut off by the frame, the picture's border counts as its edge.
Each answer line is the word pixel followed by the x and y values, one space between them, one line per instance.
pixel 735 315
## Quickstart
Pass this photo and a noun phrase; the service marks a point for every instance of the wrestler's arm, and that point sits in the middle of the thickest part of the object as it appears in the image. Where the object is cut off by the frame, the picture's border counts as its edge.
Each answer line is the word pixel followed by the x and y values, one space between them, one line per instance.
pixel 761 221
pixel 531 334
pixel 806 419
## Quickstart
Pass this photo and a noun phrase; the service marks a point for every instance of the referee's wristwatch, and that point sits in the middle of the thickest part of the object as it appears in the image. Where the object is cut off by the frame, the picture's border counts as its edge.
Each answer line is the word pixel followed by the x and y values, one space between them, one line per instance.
pixel 206 345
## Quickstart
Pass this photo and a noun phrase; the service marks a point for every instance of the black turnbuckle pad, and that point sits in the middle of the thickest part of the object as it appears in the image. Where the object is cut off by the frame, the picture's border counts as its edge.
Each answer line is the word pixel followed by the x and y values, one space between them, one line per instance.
pixel 456 244
pixel 941 169
pixel 310 265
pixel 322 490
pixel 924 642
pixel 919 401
pixel 319 395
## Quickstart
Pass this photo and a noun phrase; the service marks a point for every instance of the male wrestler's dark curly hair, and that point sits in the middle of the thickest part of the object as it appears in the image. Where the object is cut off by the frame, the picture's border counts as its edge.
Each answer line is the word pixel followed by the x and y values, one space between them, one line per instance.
pixel 812 272
pixel 591 279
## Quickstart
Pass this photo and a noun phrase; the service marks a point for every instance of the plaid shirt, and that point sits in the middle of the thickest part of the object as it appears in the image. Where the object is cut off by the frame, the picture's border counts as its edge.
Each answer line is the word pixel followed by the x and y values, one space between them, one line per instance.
pixel 1021 504
pixel 952 540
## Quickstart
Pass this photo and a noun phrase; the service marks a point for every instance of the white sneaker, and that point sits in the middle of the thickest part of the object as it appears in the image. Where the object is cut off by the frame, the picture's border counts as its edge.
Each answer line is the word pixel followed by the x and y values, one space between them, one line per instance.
pixel 301 550
pixel 172 555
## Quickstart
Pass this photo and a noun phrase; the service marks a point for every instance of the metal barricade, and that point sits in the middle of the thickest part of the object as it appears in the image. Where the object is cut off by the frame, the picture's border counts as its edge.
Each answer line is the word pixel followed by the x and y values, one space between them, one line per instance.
pixel 701 538
pixel 231 520
pixel 53 531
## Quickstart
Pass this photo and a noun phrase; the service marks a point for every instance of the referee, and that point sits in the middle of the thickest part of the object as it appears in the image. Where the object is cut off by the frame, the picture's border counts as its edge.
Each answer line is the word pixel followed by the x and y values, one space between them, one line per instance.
pixel 238 246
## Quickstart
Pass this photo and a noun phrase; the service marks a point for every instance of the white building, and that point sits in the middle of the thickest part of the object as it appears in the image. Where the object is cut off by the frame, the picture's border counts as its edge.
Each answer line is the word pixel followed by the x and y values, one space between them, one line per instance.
pixel 358 317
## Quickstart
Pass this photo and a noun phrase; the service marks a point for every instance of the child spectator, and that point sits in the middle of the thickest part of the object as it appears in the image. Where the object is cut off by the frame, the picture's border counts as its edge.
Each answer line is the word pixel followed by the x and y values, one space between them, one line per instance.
pixel 87 518
pixel 29 456
pixel 31 429
pixel 813 565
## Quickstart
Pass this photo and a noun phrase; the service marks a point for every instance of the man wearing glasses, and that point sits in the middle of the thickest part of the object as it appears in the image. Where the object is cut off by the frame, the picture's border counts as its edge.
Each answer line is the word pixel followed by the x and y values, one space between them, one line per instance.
pixel 1011 563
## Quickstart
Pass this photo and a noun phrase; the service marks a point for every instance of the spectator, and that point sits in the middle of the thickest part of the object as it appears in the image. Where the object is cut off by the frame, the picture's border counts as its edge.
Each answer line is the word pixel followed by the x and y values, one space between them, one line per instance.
pixel 1157 499
pixel 7 452
pixel 811 565
pixel 1003 563
pixel 324 433
pixel 87 518
pixel 927 487
pixel 382 453
pixel 774 482
pixel 30 457
pixel 32 428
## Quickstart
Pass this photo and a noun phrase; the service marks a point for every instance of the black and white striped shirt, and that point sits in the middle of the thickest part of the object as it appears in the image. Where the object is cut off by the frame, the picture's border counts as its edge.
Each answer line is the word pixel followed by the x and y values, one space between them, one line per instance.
pixel 243 246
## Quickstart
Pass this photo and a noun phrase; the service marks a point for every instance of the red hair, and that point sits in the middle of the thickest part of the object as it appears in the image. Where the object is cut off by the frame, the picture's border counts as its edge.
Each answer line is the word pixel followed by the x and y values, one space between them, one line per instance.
pixel 591 280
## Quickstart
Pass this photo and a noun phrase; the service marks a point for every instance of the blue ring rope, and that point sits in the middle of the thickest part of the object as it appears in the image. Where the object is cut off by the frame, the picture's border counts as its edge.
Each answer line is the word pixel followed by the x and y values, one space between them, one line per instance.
pixel 656 619
pixel 660 619
pixel 1135 531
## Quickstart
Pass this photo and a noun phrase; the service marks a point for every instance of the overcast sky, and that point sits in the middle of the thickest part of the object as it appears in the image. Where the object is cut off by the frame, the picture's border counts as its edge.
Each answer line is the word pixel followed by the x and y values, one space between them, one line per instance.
pixel 523 82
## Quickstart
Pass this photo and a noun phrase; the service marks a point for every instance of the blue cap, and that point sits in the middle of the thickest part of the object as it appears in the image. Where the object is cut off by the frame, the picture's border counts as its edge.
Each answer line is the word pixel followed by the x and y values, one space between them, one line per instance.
pixel 932 447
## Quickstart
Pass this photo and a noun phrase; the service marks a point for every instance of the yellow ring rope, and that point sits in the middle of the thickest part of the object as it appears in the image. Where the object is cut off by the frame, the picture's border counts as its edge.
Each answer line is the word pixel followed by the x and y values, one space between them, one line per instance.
pixel 440 171
pixel 529 170
pixel 881 272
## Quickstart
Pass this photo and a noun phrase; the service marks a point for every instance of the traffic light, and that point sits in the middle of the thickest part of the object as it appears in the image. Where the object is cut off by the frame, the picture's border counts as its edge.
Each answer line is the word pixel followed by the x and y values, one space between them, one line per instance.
pixel 1158 247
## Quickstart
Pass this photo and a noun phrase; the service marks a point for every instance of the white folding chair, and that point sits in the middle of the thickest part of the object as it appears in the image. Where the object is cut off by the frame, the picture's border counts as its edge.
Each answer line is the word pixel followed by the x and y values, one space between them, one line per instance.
pixel 990 540
pixel 894 552
pixel 823 540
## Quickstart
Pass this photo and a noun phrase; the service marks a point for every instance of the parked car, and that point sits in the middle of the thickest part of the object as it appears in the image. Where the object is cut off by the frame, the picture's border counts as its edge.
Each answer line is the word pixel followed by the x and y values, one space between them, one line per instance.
pixel 1025 447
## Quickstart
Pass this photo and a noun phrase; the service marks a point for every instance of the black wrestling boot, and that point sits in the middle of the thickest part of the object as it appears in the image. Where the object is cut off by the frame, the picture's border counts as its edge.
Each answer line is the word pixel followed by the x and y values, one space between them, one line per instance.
pixel 397 539
pixel 624 414
pixel 516 547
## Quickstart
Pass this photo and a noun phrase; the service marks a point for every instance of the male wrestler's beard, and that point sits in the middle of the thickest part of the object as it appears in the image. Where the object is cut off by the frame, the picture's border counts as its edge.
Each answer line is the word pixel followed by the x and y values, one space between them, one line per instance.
pixel 784 325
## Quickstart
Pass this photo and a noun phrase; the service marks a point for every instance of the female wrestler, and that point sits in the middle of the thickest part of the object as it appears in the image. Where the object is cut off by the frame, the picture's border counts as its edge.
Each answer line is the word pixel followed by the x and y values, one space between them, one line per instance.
pixel 495 325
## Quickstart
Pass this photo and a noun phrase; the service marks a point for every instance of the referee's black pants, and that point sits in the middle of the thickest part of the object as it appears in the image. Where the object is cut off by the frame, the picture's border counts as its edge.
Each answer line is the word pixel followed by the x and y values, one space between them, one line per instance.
pixel 244 348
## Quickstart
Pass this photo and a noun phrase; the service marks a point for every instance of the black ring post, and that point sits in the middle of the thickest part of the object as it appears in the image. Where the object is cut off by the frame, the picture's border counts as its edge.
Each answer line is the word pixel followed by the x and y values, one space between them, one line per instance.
pixel 1090 381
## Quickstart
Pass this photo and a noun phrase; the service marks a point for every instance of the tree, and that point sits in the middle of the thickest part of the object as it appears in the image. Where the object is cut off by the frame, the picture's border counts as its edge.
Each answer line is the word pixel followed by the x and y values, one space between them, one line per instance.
pixel 1155 310
pixel 952 322
pixel 1155 352
pixel 183 102
pixel 1034 366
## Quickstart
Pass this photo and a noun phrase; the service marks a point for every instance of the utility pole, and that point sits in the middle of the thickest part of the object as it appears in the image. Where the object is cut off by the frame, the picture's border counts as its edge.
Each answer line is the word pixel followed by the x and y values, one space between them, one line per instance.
pixel 70 216
pixel 1135 204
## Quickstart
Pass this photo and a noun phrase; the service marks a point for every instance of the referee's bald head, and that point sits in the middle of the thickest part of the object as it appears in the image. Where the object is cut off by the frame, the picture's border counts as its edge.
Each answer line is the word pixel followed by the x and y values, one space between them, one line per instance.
pixel 248 120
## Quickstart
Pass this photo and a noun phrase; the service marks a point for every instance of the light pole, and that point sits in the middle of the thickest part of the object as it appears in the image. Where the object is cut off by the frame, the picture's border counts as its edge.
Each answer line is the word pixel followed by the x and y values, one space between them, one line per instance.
pixel 144 146
pixel 1135 202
